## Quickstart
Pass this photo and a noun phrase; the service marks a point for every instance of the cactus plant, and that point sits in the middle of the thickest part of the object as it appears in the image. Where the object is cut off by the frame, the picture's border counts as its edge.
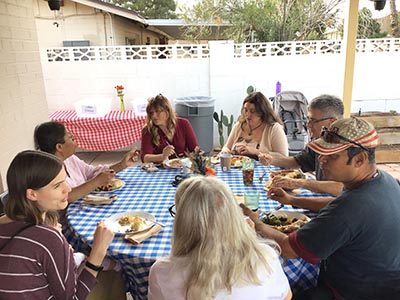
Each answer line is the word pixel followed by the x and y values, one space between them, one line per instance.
pixel 222 120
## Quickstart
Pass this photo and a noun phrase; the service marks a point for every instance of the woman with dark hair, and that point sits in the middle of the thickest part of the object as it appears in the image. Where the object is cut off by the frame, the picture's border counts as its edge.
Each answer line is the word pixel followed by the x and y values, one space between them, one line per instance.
pixel 215 254
pixel 52 137
pixel 36 262
pixel 165 134
pixel 259 129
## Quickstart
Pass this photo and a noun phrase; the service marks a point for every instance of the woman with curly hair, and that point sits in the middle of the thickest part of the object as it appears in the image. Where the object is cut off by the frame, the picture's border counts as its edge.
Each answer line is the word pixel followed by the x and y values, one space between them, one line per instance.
pixel 165 134
pixel 215 254
pixel 259 129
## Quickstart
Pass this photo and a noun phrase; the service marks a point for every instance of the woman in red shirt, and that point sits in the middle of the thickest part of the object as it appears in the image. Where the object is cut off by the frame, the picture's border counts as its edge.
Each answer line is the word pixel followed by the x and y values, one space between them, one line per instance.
pixel 165 134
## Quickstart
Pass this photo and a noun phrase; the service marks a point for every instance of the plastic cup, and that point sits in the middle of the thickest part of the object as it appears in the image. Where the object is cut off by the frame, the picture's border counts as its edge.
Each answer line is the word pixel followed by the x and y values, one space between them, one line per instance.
pixel 225 159
pixel 251 199
pixel 248 171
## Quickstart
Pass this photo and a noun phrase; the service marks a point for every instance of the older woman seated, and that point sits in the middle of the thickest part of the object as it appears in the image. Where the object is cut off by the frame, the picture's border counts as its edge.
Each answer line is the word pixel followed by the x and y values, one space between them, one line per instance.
pixel 52 137
pixel 259 129
pixel 165 134
pixel 215 254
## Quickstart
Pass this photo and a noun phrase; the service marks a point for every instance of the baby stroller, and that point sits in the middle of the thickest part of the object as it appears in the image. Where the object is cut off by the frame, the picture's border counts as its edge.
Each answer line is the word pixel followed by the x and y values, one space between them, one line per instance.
pixel 291 106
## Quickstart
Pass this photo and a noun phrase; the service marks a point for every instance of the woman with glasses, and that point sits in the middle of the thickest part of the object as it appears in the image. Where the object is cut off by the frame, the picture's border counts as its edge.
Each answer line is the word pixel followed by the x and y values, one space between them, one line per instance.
pixel 259 129
pixel 215 254
pixel 165 135
pixel 52 137
pixel 36 262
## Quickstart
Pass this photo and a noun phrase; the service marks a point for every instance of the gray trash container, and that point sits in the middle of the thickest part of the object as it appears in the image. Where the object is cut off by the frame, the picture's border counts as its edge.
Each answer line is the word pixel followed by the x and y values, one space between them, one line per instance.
pixel 199 111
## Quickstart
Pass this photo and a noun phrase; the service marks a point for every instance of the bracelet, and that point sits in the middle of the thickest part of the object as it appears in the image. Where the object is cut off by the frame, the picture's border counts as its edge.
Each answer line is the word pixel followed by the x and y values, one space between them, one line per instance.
pixel 93 267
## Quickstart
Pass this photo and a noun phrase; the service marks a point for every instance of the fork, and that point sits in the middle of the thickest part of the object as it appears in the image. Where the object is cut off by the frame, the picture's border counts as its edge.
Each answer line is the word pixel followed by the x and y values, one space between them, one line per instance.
pixel 263 175
pixel 166 140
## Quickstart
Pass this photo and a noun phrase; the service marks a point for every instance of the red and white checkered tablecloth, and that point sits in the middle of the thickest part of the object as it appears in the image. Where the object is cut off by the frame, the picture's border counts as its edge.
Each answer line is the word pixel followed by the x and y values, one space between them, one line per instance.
pixel 114 131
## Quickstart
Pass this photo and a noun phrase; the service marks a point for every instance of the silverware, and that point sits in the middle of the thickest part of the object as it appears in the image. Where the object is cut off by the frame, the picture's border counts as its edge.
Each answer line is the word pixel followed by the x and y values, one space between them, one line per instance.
pixel 275 209
pixel 263 175
pixel 174 150
pixel 154 222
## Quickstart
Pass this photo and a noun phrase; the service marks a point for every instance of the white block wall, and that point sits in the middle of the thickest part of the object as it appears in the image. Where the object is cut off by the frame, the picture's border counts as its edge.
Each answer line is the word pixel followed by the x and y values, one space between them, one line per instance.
pixel 23 101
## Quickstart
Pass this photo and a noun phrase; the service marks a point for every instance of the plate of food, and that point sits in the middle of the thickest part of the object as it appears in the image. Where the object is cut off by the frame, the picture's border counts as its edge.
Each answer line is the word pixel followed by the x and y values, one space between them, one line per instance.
pixel 174 163
pixel 294 174
pixel 115 184
pixel 130 222
pixel 236 161
pixel 284 221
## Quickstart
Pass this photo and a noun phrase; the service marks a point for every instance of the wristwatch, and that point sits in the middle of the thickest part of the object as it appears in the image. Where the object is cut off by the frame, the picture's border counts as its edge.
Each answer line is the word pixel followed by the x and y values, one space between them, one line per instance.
pixel 94 267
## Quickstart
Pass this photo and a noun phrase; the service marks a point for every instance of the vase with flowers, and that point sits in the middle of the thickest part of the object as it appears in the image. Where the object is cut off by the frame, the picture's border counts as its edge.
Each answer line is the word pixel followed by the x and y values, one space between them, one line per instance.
pixel 120 95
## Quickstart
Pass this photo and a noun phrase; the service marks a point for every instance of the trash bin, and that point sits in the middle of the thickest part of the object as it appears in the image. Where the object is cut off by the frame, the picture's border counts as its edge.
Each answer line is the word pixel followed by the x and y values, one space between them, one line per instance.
pixel 199 111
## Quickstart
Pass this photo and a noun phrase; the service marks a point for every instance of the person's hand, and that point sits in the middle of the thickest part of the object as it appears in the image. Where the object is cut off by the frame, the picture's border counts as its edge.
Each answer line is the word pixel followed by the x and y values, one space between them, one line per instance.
pixel 102 238
pixel 265 158
pixel 279 194
pixel 129 158
pixel 168 151
pixel 104 178
pixel 250 222
pixel 253 215
pixel 286 183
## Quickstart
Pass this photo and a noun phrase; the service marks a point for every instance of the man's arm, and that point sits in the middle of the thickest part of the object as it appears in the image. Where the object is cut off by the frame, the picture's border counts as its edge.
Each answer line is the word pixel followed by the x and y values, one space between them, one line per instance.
pixel 314 204
pixel 277 159
pixel 323 187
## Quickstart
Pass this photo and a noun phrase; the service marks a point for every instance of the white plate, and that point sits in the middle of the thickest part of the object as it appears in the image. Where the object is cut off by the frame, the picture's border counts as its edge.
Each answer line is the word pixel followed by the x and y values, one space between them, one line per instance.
pixel 117 184
pixel 291 214
pixel 236 161
pixel 171 163
pixel 112 221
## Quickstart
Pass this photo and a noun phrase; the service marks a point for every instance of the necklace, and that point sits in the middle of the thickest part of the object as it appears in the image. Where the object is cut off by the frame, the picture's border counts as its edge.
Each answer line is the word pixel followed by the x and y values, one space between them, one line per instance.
pixel 252 129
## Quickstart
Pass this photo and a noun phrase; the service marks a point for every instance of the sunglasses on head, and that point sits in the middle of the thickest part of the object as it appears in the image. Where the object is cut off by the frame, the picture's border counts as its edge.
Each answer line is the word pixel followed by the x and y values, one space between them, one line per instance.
pixel 332 137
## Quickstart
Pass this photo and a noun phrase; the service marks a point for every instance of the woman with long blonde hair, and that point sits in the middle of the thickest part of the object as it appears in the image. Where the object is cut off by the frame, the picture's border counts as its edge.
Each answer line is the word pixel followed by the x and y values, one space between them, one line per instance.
pixel 165 134
pixel 259 129
pixel 215 253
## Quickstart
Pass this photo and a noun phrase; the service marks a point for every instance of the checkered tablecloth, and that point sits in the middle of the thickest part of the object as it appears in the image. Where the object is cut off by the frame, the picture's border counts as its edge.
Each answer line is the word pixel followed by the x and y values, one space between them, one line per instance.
pixel 153 193
pixel 114 131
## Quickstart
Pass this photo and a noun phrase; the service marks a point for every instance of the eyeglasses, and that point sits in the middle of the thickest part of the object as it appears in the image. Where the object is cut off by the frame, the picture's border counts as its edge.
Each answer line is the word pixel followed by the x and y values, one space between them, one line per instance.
pixel 332 137
pixel 315 121
pixel 171 210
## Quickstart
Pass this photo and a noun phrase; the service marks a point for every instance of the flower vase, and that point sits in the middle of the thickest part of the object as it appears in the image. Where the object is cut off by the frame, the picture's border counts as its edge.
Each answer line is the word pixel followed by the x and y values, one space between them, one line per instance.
pixel 121 103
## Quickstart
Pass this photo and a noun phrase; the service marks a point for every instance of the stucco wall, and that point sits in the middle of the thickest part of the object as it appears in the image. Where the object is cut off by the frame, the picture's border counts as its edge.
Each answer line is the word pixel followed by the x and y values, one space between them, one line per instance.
pixel 23 101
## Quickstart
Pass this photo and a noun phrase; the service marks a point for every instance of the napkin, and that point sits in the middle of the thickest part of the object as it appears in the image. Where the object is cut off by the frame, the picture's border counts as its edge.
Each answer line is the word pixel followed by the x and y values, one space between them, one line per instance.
pixel 137 238
pixel 97 200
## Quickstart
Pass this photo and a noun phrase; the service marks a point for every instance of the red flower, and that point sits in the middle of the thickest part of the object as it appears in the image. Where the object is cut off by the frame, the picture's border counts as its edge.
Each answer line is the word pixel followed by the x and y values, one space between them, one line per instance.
pixel 119 88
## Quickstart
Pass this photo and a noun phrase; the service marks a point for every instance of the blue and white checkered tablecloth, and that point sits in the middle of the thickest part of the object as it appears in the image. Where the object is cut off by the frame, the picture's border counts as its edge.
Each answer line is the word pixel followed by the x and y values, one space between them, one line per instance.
pixel 153 193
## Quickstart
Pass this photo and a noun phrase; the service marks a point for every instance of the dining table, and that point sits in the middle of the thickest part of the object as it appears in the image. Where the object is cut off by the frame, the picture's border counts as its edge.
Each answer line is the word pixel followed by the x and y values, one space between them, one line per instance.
pixel 113 131
pixel 153 193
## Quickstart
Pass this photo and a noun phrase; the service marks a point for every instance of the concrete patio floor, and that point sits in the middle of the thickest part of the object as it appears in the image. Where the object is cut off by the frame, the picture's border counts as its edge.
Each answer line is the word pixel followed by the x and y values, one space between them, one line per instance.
pixel 96 158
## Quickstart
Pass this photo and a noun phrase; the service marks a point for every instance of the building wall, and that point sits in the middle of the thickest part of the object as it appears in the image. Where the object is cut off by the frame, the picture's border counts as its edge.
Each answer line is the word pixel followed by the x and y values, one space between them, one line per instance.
pixel 23 101
pixel 217 70
pixel 76 22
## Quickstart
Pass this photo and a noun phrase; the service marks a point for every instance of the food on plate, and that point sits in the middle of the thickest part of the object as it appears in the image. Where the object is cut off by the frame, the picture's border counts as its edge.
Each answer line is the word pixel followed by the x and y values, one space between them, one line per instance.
pixel 137 224
pixel 283 223
pixel 237 160
pixel 175 163
pixel 293 174
pixel 125 220
pixel 113 185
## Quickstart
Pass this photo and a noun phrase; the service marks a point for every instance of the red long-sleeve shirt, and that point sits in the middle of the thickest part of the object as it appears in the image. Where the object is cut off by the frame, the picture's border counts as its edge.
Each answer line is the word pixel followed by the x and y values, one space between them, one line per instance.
pixel 184 140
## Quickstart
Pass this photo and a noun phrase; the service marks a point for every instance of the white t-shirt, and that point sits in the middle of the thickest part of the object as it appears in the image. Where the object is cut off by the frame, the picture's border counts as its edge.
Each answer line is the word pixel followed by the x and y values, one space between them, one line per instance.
pixel 167 277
